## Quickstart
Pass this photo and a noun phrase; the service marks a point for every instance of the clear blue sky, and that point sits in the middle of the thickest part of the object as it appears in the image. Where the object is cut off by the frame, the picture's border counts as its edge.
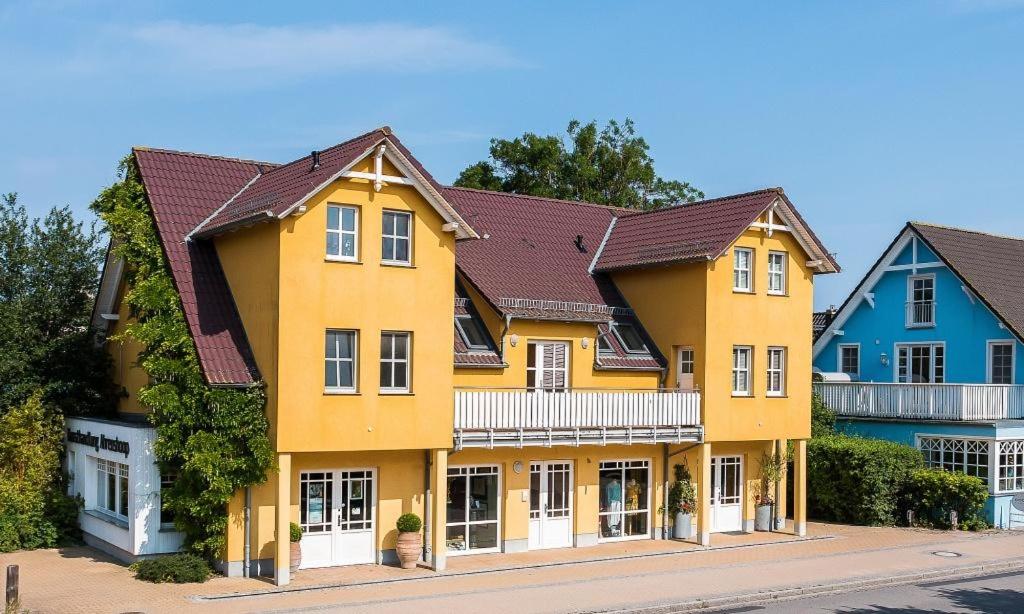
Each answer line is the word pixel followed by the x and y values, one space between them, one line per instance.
pixel 867 113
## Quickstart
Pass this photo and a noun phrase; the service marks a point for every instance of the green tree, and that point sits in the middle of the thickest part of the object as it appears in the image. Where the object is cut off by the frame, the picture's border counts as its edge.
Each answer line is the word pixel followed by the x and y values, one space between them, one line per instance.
pixel 610 166
pixel 48 279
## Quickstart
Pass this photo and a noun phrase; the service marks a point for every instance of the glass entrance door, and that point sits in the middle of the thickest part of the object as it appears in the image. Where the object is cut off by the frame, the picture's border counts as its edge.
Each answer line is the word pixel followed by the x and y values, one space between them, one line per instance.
pixel 473 517
pixel 625 502
pixel 726 493
pixel 550 504
pixel 336 512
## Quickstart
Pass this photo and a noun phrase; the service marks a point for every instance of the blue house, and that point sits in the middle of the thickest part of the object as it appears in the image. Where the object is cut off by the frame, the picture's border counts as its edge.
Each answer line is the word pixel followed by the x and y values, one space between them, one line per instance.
pixel 924 352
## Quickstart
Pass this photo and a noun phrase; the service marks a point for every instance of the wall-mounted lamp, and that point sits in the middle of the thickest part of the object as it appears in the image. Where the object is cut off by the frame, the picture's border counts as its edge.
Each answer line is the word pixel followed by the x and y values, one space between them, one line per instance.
pixel 885 359
pixel 513 340
pixel 585 342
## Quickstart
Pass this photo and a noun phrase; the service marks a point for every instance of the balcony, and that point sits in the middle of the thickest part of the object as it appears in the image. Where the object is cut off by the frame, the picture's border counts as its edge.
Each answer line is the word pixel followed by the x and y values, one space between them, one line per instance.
pixel 517 417
pixel 924 401
pixel 920 314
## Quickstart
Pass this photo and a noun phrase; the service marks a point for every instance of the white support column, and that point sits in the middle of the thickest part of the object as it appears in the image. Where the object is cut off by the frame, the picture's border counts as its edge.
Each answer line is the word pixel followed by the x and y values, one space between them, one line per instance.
pixel 282 547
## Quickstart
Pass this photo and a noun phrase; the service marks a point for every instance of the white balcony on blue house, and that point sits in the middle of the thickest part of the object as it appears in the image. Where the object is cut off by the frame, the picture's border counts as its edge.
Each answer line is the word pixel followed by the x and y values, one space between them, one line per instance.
pixel 952 402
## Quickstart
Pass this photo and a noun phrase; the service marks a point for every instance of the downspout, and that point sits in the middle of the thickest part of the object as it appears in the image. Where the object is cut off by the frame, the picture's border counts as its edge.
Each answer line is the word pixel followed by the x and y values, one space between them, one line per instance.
pixel 426 507
pixel 504 332
pixel 246 528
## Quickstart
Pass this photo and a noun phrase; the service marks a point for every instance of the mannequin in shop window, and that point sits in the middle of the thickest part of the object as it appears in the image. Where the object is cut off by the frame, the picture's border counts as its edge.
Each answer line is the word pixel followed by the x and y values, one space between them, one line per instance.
pixel 613 495
pixel 633 504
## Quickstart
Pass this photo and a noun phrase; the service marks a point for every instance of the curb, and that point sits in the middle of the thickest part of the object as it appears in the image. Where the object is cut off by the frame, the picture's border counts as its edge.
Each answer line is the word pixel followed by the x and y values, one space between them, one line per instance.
pixel 803 592
pixel 493 570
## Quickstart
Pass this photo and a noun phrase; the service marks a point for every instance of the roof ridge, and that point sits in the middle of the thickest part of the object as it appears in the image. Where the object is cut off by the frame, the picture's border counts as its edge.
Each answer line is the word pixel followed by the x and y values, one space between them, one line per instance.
pixel 970 230
pixel 195 154
pixel 384 130
pixel 545 198
pixel 777 190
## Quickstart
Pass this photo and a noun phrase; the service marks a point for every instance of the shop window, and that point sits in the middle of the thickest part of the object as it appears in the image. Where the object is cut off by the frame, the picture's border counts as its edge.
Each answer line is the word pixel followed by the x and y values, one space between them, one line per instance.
pixel 112 488
pixel 624 497
pixel 473 520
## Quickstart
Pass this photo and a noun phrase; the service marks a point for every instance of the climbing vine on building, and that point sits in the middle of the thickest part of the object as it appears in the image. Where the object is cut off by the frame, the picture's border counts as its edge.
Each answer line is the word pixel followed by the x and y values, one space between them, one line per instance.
pixel 213 440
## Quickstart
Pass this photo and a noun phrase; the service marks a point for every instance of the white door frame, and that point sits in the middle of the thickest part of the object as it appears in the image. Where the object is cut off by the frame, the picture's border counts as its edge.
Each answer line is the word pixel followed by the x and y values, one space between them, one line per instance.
pixel 650 517
pixel 334 534
pixel 500 504
pixel 716 505
pixel 679 366
pixel 542 521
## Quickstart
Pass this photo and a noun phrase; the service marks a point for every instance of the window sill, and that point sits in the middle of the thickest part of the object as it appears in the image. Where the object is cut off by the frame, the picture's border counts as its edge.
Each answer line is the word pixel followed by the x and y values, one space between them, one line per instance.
pixel 108 518
pixel 745 395
pixel 399 265
pixel 351 393
pixel 395 393
pixel 739 291
pixel 342 260
pixel 912 326
pixel 776 396
pixel 782 294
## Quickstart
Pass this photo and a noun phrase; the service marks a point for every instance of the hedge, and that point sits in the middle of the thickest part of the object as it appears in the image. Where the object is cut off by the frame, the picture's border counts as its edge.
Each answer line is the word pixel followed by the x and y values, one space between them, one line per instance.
pixel 932 494
pixel 858 481
pixel 176 568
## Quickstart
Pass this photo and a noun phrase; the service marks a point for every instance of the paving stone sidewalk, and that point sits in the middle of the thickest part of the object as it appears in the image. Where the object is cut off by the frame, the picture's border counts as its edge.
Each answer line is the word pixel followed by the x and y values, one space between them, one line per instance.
pixel 607 577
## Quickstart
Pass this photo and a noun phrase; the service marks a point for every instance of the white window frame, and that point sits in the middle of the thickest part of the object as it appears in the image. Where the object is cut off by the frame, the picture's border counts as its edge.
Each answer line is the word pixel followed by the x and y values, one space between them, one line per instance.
pixel 781 371
pixel 354 360
pixel 945 446
pixel 988 358
pixel 909 346
pixel 622 464
pixel 72 469
pixel 782 274
pixel 465 337
pixel 465 471
pixel 736 270
pixel 405 363
pixel 339 257
pixel 394 238
pixel 120 471
pixel 1016 449
pixel 535 346
pixel 736 350
pixel 910 301
pixel 839 358
pixel 622 342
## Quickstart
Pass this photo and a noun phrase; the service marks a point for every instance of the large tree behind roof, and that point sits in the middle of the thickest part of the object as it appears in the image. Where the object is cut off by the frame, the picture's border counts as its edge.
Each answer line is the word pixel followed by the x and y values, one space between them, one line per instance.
pixel 610 166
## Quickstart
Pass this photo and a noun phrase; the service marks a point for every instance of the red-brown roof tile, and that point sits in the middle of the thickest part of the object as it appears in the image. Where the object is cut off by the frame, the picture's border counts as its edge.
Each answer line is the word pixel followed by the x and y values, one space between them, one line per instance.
pixel 183 189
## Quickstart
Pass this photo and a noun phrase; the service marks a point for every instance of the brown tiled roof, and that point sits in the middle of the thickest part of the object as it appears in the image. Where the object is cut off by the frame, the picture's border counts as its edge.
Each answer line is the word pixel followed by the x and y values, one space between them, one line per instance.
pixel 992 266
pixel 464 356
pixel 183 188
pixel 820 321
pixel 526 263
pixel 690 232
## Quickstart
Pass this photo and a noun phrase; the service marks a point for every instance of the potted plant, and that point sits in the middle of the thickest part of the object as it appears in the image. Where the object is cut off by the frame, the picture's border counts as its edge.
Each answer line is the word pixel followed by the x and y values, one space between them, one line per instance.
pixel 773 467
pixel 682 500
pixel 295 536
pixel 410 542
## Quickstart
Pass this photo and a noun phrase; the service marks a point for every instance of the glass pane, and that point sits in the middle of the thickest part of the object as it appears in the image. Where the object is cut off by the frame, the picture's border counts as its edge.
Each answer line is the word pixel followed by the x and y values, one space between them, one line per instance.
pixel 331 345
pixel 345 345
pixel 402 225
pixel 348 245
pixel 631 338
pixel 330 374
pixel 386 341
pixel 535 490
pixel 611 525
pixel 346 379
pixel 635 524
pixel 401 342
pixel 483 536
pixel 402 250
pixel 456 537
pixel 348 219
pixel 124 496
pixel 386 375
pixel 332 217
pixel 111 492
pixel 483 497
pixel 100 483
pixel 456 499
pixel 387 248
pixel 611 490
pixel 636 489
pixel 401 375
pixel 389 223
pixel 332 244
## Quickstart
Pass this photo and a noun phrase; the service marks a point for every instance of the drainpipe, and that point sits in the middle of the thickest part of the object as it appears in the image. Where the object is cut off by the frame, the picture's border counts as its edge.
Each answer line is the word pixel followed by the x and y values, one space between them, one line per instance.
pixel 426 506
pixel 245 530
pixel 504 332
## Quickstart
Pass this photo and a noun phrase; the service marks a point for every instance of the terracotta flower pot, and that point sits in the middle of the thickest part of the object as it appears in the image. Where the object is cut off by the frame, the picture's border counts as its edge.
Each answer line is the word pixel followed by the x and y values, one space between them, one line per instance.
pixel 296 557
pixel 408 548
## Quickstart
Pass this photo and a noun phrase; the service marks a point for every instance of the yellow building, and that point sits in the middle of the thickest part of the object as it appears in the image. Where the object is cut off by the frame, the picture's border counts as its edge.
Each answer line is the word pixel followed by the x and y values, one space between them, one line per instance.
pixel 521 372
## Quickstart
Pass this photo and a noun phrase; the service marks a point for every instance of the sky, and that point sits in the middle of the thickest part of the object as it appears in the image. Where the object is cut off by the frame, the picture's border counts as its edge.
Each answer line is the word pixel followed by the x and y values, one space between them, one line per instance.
pixel 868 114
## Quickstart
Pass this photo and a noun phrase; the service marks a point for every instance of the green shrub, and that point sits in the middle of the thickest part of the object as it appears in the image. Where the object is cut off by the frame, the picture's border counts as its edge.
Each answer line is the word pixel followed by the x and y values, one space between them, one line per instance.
pixel 409 523
pixel 177 568
pixel 856 480
pixel 932 494
pixel 823 419
pixel 294 533
pixel 682 497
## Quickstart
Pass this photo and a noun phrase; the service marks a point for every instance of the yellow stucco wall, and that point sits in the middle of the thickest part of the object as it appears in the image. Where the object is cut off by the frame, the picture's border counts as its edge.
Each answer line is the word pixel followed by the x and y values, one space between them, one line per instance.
pixel 124 356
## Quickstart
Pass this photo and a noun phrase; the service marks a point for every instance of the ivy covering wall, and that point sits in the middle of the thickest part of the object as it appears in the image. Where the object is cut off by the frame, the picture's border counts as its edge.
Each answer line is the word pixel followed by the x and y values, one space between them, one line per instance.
pixel 215 440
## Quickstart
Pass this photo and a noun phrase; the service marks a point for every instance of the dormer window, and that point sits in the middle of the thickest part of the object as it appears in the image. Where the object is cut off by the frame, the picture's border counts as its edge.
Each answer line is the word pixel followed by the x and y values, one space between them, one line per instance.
pixel 396 238
pixel 472 332
pixel 342 233
pixel 603 345
pixel 630 338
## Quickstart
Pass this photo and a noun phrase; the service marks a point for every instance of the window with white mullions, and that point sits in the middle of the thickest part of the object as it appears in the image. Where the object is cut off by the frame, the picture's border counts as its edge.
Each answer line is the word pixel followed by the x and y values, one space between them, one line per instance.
pixel 630 338
pixel 340 361
pixel 342 232
pixel 472 332
pixel 112 488
pixel 970 456
pixel 396 239
pixel 547 366
pixel 316 500
pixel 741 355
pixel 921 364
pixel 394 362
pixel 1000 362
pixel 849 359
pixel 921 300
pixel 743 264
pixel 167 480
pixel 776 272
pixel 1011 466
pixel 776 372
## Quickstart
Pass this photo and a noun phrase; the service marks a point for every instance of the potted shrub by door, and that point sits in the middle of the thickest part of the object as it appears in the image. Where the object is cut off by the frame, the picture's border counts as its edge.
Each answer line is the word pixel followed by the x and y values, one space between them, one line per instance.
pixel 681 501
pixel 410 542
pixel 773 465
pixel 295 537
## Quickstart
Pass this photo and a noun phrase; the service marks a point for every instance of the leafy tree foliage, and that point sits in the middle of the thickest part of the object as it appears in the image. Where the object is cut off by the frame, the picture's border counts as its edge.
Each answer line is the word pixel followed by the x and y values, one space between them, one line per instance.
pixel 823 419
pixel 34 512
pixel 48 278
pixel 214 439
pixel 610 166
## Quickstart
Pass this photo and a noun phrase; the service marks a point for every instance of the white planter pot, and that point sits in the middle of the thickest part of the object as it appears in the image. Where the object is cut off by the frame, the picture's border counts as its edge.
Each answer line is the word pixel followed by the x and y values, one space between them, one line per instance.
pixel 683 526
pixel 763 518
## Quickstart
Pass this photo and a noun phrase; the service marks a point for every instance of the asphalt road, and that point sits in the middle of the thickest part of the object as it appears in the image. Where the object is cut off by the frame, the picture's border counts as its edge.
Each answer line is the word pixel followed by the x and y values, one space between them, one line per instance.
pixel 996 593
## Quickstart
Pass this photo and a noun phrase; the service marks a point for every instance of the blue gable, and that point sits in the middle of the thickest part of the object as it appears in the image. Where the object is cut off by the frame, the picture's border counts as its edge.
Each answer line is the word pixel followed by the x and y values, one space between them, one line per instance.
pixel 962 322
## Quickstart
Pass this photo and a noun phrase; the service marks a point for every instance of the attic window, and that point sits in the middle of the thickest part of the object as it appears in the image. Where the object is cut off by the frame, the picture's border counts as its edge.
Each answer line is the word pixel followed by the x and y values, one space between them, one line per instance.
pixel 629 338
pixel 472 332
pixel 603 345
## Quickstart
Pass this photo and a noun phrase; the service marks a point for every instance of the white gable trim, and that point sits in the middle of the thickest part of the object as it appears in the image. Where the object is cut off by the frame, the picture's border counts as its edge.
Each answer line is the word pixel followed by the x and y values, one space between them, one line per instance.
pixel 791 224
pixel 412 178
pixel 106 296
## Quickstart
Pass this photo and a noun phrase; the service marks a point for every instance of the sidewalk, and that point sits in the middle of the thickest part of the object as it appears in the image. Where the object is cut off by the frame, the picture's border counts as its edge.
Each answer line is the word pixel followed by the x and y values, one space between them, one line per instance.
pixel 607 577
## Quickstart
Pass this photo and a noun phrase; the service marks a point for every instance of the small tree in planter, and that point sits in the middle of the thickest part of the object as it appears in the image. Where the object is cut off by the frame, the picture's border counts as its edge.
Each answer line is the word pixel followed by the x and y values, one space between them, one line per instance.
pixel 773 467
pixel 682 500
pixel 295 536
pixel 410 541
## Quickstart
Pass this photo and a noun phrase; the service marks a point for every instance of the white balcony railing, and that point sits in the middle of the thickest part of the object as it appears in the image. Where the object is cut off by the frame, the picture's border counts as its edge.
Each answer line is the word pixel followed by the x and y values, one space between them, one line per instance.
pixel 490 417
pixel 920 314
pixel 924 401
